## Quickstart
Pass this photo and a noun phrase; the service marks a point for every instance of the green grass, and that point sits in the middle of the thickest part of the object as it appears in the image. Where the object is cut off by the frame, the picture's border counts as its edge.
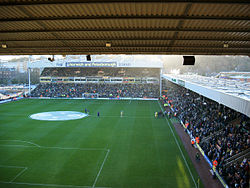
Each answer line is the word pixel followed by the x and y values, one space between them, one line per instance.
pixel 134 151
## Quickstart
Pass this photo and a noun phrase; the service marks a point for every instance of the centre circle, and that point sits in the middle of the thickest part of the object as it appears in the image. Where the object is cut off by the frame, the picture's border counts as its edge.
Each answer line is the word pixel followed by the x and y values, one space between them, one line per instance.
pixel 58 115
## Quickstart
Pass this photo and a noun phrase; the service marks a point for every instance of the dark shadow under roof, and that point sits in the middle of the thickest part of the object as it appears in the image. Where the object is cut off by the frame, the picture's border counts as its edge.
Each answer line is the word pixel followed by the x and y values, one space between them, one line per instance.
pixel 219 27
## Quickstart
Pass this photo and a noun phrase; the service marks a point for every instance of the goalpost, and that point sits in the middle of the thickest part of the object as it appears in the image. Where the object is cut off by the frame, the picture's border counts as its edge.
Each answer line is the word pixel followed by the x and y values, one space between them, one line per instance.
pixel 90 95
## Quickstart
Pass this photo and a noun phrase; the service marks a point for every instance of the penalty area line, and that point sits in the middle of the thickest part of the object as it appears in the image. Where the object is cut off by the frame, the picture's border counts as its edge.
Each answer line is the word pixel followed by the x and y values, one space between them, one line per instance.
pixel 7 166
pixel 47 185
pixel 179 147
pixel 55 147
pixel 97 176
pixel 19 174
pixel 23 141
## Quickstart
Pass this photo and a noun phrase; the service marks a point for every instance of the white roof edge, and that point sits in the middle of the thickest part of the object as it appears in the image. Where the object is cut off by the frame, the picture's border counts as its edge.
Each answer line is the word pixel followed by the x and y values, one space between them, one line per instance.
pixel 233 94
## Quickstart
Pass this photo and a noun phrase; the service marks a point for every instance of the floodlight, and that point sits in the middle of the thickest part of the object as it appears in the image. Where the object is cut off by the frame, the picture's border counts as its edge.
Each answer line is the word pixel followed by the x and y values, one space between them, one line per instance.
pixel 108 44
pixel 4 45
pixel 225 45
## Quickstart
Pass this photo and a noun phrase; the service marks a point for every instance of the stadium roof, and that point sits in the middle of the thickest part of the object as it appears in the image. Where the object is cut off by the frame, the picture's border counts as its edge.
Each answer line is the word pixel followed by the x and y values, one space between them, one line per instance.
pixel 231 93
pixel 215 27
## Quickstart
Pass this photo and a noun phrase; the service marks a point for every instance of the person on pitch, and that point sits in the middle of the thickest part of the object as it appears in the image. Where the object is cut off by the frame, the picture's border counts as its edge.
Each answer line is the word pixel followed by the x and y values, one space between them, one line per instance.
pixel 156 114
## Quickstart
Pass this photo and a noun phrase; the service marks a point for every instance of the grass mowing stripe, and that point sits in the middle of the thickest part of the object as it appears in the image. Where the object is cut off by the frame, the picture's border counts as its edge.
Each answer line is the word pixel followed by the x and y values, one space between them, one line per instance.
pixel 144 152
pixel 179 147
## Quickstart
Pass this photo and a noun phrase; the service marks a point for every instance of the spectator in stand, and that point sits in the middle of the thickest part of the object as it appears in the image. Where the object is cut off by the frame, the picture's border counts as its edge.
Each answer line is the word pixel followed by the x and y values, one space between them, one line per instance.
pixel 102 90
pixel 223 132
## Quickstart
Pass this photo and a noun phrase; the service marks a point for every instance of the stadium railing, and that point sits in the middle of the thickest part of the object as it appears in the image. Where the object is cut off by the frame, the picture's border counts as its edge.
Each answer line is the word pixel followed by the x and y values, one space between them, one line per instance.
pixel 121 98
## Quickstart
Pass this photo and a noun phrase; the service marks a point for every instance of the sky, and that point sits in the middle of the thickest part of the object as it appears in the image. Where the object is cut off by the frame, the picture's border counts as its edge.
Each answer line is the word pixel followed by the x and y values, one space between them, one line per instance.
pixel 146 58
pixel 9 57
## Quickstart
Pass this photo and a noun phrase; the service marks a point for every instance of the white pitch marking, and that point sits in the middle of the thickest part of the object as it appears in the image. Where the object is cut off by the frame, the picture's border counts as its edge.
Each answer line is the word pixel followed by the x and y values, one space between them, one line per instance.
pixel 58 115
pixel 47 147
pixel 129 102
pixel 21 146
pixel 47 185
pixel 74 148
pixel 179 148
pixel 32 143
pixel 19 174
pixel 144 117
pixel 112 116
pixel 101 168
pixel 7 166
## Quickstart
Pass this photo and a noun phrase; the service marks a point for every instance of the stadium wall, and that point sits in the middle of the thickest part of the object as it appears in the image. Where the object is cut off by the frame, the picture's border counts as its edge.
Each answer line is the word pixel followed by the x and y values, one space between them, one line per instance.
pixel 9 100
pixel 142 99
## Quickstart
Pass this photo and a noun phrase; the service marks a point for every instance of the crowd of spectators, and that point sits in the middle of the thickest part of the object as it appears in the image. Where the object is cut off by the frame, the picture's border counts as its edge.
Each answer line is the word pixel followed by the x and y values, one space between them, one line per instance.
pixel 101 90
pixel 237 174
pixel 222 131
pixel 100 71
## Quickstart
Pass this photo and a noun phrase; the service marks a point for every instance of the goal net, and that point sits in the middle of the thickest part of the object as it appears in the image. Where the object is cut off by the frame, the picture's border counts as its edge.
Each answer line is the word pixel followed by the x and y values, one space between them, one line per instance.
pixel 90 95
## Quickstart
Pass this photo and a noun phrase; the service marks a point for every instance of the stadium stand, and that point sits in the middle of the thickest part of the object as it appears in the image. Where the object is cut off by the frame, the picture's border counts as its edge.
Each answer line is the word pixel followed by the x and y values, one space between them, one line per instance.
pixel 98 82
pixel 101 90
pixel 94 71
pixel 223 133
pixel 232 93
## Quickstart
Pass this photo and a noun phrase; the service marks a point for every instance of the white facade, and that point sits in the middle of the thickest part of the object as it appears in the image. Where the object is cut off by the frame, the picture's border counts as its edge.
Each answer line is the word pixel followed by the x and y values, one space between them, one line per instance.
pixel 149 61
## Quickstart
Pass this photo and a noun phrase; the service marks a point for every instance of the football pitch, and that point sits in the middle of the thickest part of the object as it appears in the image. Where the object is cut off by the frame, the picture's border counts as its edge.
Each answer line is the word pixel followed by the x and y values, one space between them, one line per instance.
pixel 136 150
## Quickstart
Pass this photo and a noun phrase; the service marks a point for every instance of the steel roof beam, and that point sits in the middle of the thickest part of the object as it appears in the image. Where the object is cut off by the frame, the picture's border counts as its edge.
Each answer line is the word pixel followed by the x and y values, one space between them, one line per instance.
pixel 56 2
pixel 125 17
pixel 247 47
pixel 127 39
pixel 181 22
pixel 127 29
pixel 132 51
